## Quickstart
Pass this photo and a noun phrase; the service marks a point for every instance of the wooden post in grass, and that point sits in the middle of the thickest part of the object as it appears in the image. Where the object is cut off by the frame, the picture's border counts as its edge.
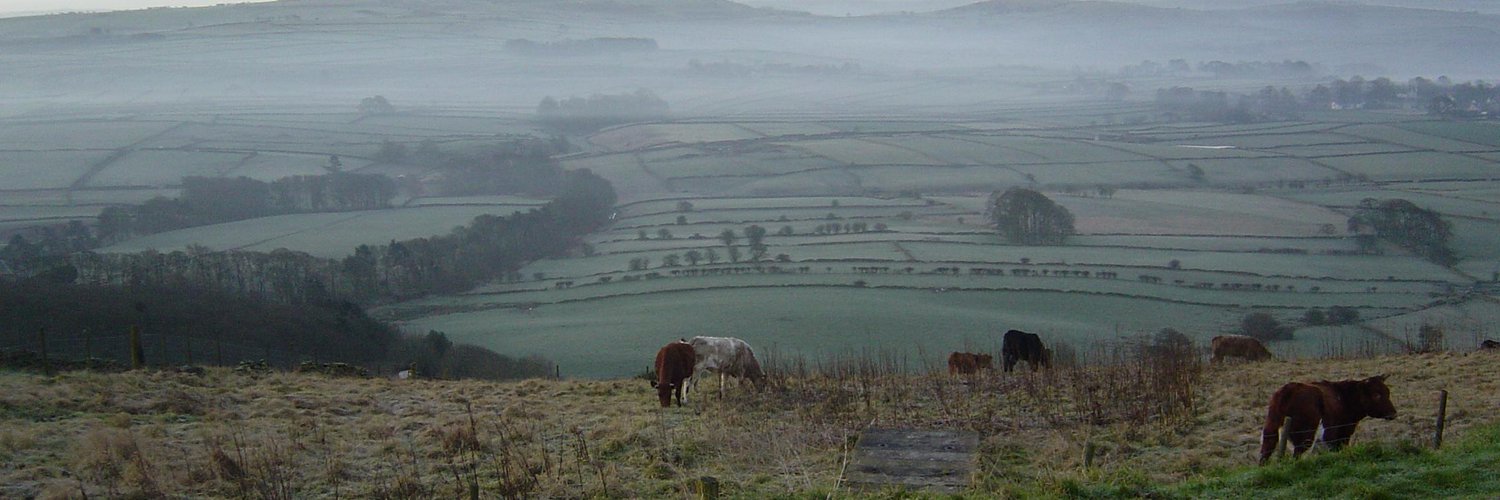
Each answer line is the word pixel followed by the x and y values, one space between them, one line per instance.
pixel 137 355
pixel 557 371
pixel 41 338
pixel 1442 416
pixel 1286 432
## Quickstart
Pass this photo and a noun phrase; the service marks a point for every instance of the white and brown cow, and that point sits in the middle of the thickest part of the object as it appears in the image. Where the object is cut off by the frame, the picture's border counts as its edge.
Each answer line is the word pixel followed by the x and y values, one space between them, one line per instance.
pixel 724 356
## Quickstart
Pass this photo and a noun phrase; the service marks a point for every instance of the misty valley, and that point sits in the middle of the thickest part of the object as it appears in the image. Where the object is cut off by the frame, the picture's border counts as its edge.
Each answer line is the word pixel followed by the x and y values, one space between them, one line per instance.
pixel 328 202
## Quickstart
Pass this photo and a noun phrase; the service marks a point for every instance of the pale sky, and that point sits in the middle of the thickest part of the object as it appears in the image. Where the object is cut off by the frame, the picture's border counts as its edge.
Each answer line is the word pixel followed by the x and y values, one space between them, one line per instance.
pixel 42 6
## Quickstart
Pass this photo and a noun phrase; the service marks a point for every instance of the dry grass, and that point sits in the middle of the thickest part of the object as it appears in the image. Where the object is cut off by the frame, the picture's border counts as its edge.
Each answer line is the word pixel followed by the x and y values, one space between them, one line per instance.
pixel 282 435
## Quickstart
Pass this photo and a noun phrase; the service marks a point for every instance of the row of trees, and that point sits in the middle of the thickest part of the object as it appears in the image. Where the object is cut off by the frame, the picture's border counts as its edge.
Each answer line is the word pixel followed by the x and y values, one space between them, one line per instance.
pixel 599 110
pixel 488 248
pixel 214 200
pixel 1407 225
pixel 1439 97
pixel 1027 217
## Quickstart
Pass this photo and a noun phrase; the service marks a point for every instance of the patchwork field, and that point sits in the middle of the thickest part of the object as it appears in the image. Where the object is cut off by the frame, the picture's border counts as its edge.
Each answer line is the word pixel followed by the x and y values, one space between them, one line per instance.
pixel 876 229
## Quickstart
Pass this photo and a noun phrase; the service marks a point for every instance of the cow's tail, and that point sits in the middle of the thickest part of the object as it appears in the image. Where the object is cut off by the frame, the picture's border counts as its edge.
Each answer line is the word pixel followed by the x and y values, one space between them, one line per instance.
pixel 1275 412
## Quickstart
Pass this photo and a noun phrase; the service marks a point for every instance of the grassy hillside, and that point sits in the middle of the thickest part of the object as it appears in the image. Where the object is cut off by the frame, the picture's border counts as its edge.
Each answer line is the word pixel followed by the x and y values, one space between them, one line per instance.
pixel 230 433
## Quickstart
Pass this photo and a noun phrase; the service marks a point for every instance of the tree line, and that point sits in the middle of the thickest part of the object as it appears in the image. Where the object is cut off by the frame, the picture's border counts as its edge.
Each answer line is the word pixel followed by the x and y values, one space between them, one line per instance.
pixel 1440 97
pixel 600 110
pixel 1409 226
pixel 488 248
pixel 215 200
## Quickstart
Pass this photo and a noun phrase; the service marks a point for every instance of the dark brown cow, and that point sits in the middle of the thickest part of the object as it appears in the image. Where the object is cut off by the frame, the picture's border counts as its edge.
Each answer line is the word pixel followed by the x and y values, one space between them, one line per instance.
pixel 1238 346
pixel 1337 406
pixel 1489 344
pixel 968 363
pixel 674 364
pixel 1018 346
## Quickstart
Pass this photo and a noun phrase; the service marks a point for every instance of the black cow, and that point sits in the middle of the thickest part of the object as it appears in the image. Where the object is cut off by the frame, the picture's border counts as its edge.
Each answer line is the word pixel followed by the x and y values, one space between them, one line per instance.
pixel 1489 344
pixel 1022 346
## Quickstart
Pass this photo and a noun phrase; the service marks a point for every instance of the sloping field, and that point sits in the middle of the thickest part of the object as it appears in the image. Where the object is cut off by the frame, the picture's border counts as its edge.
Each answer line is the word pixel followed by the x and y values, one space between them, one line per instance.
pixel 1403 135
pixel 804 320
pixel 634 137
pixel 165 168
pixel 1419 165
pixel 24 170
pixel 331 235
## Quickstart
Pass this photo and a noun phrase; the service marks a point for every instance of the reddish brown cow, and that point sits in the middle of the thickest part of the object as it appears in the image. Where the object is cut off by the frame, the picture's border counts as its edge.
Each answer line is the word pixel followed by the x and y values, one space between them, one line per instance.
pixel 1238 346
pixel 674 364
pixel 1338 406
pixel 967 363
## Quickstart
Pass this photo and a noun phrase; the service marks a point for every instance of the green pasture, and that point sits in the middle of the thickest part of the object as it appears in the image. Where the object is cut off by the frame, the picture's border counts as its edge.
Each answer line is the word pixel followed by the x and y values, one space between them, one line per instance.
pixel 619 336
pixel 1396 296
pixel 166 168
pixel 331 235
pixel 1186 151
pixel 917 178
pixel 1404 134
pixel 1485 134
pixel 1253 170
pixel 272 166
pixel 1417 165
pixel 1217 243
pixel 1347 149
pixel 762 161
pixel 1432 200
pixel 1364 267
pixel 853 151
pixel 960 149
pixel 1198 213
pixel 68 134
pixel 1477 243
pixel 1060 150
pixel 1277 140
pixel 25 170
pixel 642 136
pixel 774 129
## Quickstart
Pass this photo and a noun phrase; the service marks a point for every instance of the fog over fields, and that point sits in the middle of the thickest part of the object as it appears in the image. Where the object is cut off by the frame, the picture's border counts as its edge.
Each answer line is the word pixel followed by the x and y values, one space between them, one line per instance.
pixel 1215 157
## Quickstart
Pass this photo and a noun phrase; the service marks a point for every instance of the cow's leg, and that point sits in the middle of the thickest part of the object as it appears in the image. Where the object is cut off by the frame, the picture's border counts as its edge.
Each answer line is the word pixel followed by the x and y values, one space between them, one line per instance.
pixel 1337 435
pixel 1010 363
pixel 1301 434
pixel 1269 436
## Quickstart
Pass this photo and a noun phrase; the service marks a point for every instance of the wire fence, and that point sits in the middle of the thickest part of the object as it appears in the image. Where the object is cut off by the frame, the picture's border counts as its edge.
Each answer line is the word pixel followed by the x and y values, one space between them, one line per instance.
pixel 156 349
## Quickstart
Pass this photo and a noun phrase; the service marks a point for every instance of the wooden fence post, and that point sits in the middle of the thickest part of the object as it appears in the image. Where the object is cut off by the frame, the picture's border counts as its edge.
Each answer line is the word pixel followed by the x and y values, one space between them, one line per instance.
pixel 41 337
pixel 137 355
pixel 1286 432
pixel 557 371
pixel 1442 416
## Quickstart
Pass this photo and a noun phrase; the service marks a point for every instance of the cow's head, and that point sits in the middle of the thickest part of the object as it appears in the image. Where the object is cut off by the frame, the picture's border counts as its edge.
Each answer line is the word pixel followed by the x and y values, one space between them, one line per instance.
pixel 1375 398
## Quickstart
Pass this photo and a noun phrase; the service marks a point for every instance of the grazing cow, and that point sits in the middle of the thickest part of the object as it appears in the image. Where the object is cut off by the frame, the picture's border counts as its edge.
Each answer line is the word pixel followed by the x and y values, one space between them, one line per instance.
pixel 1238 346
pixel 725 356
pixel 674 364
pixel 967 363
pixel 1021 346
pixel 1489 344
pixel 1338 406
